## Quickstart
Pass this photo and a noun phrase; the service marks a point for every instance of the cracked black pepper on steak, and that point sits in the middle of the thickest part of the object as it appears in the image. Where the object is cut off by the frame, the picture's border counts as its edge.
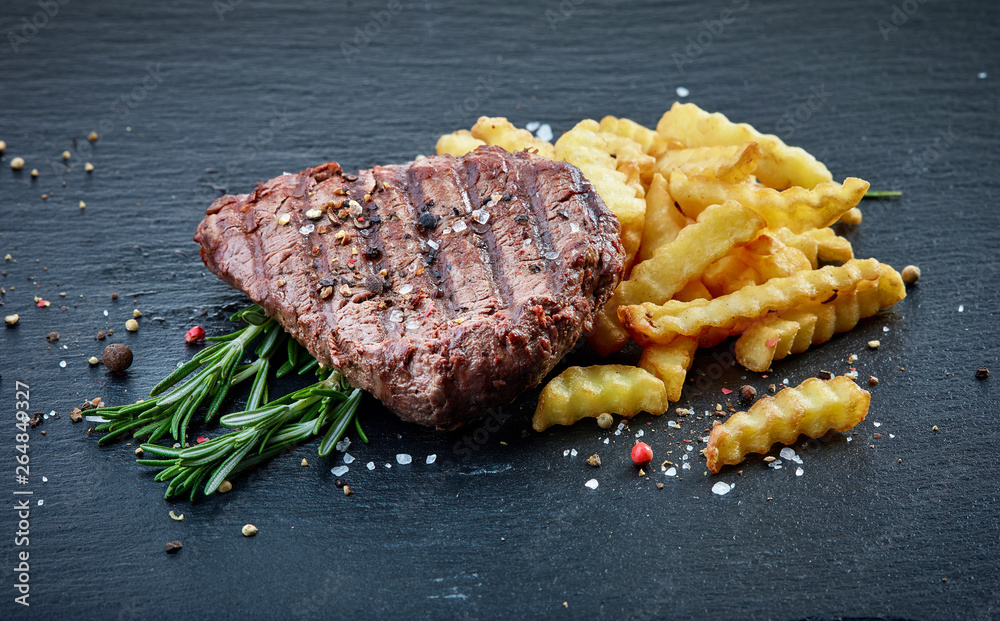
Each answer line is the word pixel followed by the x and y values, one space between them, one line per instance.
pixel 486 270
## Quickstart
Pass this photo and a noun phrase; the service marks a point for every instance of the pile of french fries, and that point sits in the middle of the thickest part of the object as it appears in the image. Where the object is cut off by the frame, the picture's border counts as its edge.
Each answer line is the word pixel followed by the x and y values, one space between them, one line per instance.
pixel 726 233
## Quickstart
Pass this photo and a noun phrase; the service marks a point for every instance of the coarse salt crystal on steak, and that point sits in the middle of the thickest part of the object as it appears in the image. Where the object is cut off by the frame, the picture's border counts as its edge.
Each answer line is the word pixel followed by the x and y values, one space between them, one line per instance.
pixel 484 320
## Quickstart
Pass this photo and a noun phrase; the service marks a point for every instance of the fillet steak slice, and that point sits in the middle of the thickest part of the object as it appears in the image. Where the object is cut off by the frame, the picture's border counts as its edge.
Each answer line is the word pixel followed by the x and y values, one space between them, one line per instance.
pixel 443 287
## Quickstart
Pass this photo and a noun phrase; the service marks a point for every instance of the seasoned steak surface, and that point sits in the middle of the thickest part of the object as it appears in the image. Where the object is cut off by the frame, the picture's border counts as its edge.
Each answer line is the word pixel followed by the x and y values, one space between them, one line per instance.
pixel 443 286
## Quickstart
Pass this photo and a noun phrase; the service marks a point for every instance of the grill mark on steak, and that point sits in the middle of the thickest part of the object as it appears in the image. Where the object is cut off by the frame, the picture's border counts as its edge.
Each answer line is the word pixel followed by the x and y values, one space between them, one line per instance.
pixel 506 326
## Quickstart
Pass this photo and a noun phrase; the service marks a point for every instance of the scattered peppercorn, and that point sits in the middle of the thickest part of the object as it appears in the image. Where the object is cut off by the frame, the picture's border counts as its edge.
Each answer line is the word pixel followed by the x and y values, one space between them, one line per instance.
pixel 3 146
pixel 83 205
pixel 874 344
pixel 642 454
pixel 173 546
pixel 101 335
pixel 605 420
pixel 76 415
pixel 92 137
pixel 347 490
pixel 305 462
pixel 194 335
pixel 911 274
pixel 117 357
pixel 65 155
pixel 52 337
pixel 427 221
pixel 132 325
pixel 249 530
pixel 34 172
pixel 982 373
pixel 748 393
pixel 659 486
pixel 872 380
pixel 594 460
pixel 877 435
pixel 771 388
pixel 88 167
pixel 339 483
pixel 225 487
pixel 17 163
pixel 11 320
pixel 825 375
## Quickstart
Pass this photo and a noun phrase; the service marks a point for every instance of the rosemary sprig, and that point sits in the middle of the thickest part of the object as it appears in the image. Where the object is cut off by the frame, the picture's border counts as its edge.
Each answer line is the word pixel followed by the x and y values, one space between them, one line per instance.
pixel 264 428
pixel 883 194
pixel 264 432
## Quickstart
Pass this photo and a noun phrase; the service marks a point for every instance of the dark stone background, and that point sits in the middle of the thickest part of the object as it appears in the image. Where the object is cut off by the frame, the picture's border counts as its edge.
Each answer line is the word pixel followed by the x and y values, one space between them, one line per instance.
pixel 192 98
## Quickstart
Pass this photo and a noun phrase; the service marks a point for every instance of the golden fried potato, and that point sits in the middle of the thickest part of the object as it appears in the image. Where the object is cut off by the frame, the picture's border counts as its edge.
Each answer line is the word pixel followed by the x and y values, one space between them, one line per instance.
pixel 852 216
pixel 694 290
pixel 625 150
pixel 812 408
pixel 762 259
pixel 663 220
pixel 796 208
pixel 652 143
pixel 584 147
pixel 581 392
pixel 652 323
pixel 781 166
pixel 731 163
pixel 717 231
pixel 792 331
pixel 458 143
pixel 670 363
pixel 818 244
pixel 502 133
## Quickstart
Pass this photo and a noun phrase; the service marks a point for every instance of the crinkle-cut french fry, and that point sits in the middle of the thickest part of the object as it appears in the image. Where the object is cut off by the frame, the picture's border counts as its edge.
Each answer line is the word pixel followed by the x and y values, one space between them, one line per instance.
pixel 717 231
pixel 458 143
pixel 796 208
pixel 730 163
pixel 753 264
pixel 694 290
pixel 781 166
pixel 670 363
pixel 652 323
pixel 663 220
pixel 502 133
pixel 652 143
pixel 852 216
pixel 581 392
pixel 624 149
pixel 818 244
pixel 633 178
pixel 812 408
pixel 792 331
pixel 583 147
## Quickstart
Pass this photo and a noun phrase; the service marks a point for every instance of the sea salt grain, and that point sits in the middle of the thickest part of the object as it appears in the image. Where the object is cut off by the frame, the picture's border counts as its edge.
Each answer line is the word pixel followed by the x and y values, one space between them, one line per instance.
pixel 885 328
pixel 407 288
pixel 370 465
pixel 339 471
pixel 640 433
pixel 552 255
pixel 961 308
pixel 877 424
pixel 787 453
pixel 573 453
pixel 396 316
pixel 527 243
pixel 682 92
pixel 672 424
pixel 566 453
pixel 41 502
pixel 402 459
pixel 431 459
pixel 348 458
pixel 544 132
pixel 981 75
pixel 574 227
pixel 799 472
pixel 608 440
pixel 685 466
pixel 433 244
pixel 481 216
pixel 671 472
pixel 412 325
pixel 721 489
pixel 592 484
pixel 343 444
pixel 459 226
pixel 308 228
pixel 62 363
pixel 532 126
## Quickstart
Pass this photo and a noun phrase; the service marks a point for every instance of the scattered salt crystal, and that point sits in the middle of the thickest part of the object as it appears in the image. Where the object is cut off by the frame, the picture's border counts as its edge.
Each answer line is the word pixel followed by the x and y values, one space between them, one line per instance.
pixel 690 448
pixel 396 316
pixel 433 244
pixel 566 453
pixel 544 132
pixel 785 381
pixel 787 453
pixel 706 438
pixel 552 255
pixel 640 433
pixel 618 432
pixel 672 424
pixel 348 458
pixel 446 230
pixel 721 488
pixel 592 484
pixel 407 288
pixel 961 308
pixel 607 440
pixel 685 465
pixel 797 459
pixel 885 328
pixel 573 452
pixel 371 465
pixel 671 472
pixel 621 426
pixel 388 465
pixel 684 457
pixel 799 472
pixel 412 325
pixel 877 424
pixel 778 467
pixel 402 459
pixel 527 243
pixel 45 479
pixel 343 444
pixel 41 502
pixel 306 229
pixel 574 227
pixel 481 216
pixel 532 126
pixel 849 438
pixel 339 471
pixel 775 464
pixel 892 435
pixel 981 75
pixel 105 313
pixel 431 459
pixel 460 226
pixel 682 92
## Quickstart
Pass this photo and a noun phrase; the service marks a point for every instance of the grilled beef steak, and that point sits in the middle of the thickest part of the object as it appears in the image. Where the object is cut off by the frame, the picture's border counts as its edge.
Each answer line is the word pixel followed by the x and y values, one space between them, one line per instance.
pixel 443 286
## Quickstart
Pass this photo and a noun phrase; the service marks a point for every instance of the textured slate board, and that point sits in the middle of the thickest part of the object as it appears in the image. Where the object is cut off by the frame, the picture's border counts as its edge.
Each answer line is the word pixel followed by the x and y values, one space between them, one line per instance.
pixel 506 530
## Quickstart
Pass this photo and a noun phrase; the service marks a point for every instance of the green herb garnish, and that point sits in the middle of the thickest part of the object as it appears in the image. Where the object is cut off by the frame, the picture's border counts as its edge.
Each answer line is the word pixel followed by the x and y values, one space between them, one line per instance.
pixel 883 194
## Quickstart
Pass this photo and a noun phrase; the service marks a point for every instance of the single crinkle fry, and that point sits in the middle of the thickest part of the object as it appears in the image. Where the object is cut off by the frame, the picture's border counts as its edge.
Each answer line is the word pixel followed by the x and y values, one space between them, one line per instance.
pixel 656 280
pixel 581 392
pixel 694 290
pixel 793 331
pixel 652 323
pixel 458 143
pixel 670 363
pixel 663 220
pixel 502 133
pixel 812 408
pixel 797 208
pixel 652 143
pixel 731 163
pixel 584 148
pixel 818 244
pixel 780 167
pixel 625 151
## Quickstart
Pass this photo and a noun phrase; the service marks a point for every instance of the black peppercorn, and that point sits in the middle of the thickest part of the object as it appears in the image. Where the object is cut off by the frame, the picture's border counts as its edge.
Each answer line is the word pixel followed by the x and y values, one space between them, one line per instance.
pixel 117 357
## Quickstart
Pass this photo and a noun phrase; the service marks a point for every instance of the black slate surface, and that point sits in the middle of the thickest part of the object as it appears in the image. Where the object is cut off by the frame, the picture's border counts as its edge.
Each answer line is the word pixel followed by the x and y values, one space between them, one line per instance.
pixel 194 97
